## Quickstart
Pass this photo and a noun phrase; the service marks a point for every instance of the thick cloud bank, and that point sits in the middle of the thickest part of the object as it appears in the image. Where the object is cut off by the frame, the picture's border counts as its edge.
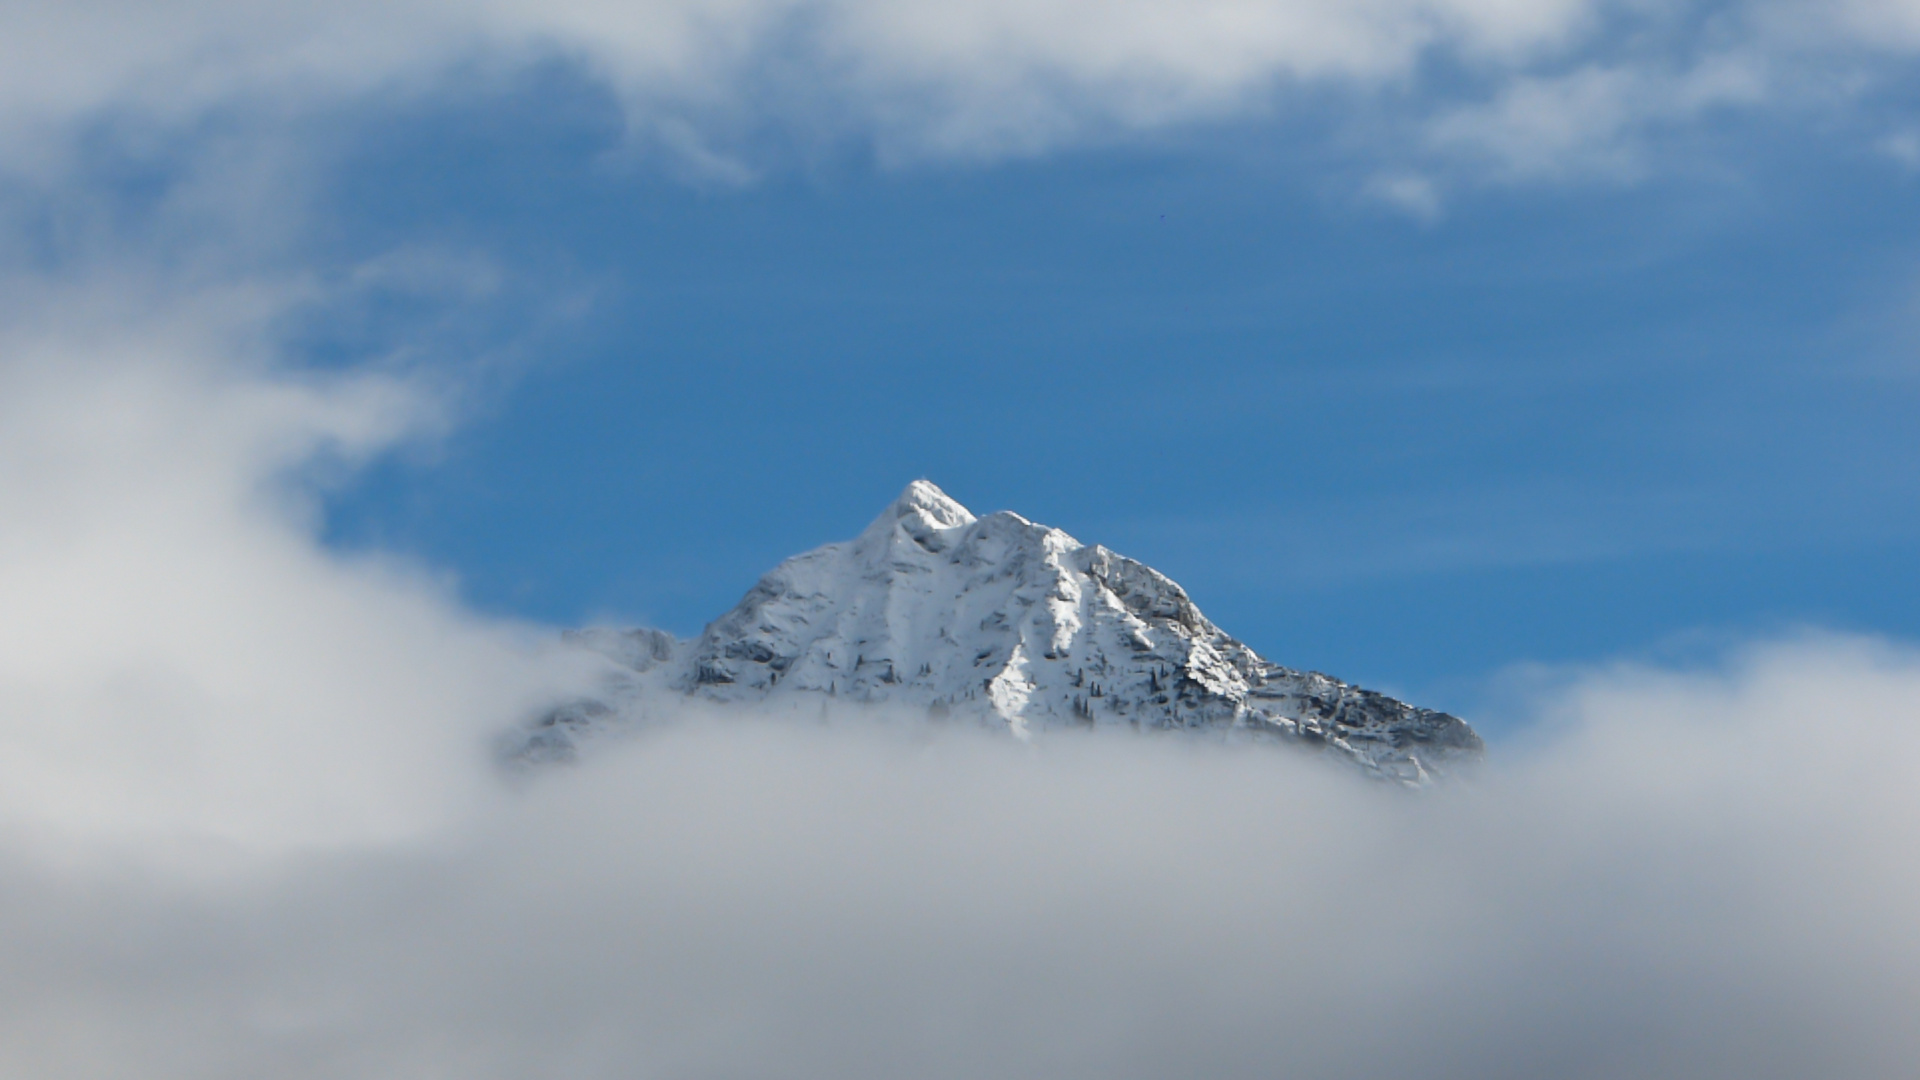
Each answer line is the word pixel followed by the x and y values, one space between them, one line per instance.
pixel 1702 875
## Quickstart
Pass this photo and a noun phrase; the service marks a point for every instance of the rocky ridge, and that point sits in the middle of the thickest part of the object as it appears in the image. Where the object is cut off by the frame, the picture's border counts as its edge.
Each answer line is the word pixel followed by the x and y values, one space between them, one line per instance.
pixel 1003 622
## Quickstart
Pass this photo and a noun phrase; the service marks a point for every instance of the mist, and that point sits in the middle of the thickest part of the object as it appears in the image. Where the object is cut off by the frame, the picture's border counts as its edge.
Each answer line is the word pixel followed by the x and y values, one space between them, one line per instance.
pixel 181 659
pixel 1702 874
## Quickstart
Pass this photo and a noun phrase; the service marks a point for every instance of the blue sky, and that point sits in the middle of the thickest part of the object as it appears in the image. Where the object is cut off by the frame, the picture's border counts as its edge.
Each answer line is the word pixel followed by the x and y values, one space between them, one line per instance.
pixel 1557 423
pixel 1419 342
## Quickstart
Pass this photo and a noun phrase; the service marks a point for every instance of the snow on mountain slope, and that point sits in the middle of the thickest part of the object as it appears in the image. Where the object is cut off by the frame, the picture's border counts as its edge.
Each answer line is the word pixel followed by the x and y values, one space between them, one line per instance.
pixel 1005 622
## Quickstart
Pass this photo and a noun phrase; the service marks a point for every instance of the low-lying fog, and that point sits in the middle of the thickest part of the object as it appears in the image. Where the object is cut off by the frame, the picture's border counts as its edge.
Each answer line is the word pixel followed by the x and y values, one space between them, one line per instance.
pixel 249 828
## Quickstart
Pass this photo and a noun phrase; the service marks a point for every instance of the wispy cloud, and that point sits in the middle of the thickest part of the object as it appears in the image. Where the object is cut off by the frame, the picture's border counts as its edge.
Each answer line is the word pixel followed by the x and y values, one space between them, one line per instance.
pixel 1592 122
pixel 1540 91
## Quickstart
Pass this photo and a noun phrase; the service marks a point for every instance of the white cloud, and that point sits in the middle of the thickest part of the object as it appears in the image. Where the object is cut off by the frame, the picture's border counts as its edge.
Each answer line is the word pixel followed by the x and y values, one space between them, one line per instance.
pixel 1410 193
pixel 1882 25
pixel 180 656
pixel 1902 146
pixel 1553 87
pixel 1701 874
pixel 1155 56
pixel 1591 122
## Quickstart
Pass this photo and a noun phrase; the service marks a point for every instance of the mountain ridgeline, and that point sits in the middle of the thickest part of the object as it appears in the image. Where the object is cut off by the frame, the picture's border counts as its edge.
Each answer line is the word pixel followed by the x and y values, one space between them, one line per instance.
pixel 1003 622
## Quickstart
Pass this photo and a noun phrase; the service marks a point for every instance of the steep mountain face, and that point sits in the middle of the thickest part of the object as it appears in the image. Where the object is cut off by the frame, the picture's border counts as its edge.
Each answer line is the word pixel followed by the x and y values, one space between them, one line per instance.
pixel 1008 623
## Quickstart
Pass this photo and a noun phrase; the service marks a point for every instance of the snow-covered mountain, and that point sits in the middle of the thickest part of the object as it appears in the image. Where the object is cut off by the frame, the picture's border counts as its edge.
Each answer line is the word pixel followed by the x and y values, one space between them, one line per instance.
pixel 1001 621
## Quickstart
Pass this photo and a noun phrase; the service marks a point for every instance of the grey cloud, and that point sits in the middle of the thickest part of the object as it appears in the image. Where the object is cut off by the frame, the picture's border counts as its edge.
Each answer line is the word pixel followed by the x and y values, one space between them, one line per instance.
pixel 1701 874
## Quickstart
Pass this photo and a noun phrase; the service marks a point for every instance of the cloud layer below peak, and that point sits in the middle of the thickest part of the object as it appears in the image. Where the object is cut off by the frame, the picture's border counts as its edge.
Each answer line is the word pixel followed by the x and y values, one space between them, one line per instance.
pixel 1698 875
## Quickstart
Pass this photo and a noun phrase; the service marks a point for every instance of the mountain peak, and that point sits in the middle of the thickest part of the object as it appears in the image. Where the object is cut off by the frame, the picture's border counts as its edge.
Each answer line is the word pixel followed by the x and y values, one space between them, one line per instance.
pixel 924 497
pixel 935 612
